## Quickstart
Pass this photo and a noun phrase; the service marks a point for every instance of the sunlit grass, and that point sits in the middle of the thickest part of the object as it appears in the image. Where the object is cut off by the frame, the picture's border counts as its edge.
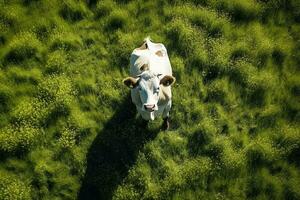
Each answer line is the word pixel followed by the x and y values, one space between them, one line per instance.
pixel 235 116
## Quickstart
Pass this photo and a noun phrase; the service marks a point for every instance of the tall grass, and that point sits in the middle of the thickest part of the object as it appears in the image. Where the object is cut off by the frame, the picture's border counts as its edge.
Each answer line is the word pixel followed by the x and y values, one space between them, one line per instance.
pixel 23 47
pixel 67 130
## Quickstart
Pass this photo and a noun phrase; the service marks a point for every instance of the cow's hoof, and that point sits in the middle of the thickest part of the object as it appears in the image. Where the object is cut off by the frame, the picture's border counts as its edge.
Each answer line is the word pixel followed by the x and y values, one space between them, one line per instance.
pixel 166 124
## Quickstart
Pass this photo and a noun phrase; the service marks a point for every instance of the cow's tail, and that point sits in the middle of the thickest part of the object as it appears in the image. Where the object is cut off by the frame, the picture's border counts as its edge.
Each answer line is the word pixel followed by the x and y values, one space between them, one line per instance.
pixel 147 39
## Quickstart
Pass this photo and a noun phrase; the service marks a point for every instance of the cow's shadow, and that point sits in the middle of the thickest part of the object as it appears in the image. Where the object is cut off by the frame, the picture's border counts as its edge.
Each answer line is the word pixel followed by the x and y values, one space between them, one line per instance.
pixel 113 152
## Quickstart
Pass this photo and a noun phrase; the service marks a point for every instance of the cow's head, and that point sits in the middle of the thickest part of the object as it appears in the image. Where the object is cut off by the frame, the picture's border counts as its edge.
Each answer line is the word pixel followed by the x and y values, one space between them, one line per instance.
pixel 149 85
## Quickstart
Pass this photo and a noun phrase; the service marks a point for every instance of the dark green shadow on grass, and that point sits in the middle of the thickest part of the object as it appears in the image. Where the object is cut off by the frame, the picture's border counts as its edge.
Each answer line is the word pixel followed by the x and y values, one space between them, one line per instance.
pixel 113 152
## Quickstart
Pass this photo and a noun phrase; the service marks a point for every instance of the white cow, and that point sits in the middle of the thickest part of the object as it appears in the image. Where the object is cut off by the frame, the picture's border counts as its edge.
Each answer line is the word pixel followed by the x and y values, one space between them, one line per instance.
pixel 150 81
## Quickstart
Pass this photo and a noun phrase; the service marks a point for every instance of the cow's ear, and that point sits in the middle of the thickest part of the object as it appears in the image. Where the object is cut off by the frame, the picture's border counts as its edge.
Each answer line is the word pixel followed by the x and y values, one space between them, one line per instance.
pixel 167 80
pixel 130 82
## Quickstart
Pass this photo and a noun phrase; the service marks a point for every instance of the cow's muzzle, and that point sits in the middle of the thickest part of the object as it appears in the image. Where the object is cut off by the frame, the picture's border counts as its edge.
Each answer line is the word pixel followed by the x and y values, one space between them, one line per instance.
pixel 149 107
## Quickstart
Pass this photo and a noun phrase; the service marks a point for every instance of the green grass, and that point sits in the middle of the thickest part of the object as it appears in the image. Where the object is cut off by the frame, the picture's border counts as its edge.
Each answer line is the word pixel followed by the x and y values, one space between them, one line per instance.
pixel 13 188
pixel 68 129
pixel 23 47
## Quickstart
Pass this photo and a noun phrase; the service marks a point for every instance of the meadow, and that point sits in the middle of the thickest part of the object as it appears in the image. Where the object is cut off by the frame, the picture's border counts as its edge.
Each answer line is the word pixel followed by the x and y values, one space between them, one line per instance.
pixel 68 129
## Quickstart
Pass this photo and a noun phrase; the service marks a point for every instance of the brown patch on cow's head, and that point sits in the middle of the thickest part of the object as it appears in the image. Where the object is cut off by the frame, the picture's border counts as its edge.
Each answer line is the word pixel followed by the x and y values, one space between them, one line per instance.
pixel 167 80
pixel 130 82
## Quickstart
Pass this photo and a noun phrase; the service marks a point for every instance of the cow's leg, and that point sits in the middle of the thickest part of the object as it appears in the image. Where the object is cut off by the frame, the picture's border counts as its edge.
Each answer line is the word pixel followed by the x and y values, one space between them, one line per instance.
pixel 166 113
pixel 166 124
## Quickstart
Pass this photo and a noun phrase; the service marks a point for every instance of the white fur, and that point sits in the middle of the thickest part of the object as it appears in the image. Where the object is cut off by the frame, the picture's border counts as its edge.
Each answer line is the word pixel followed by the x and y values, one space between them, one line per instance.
pixel 158 66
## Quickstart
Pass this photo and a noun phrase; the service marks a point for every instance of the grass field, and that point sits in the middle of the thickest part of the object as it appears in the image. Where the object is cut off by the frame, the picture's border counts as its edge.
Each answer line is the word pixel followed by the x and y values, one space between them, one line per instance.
pixel 68 129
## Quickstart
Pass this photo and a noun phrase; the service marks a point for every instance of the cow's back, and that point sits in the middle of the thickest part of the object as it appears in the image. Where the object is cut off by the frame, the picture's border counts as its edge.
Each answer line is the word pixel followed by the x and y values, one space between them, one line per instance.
pixel 154 57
